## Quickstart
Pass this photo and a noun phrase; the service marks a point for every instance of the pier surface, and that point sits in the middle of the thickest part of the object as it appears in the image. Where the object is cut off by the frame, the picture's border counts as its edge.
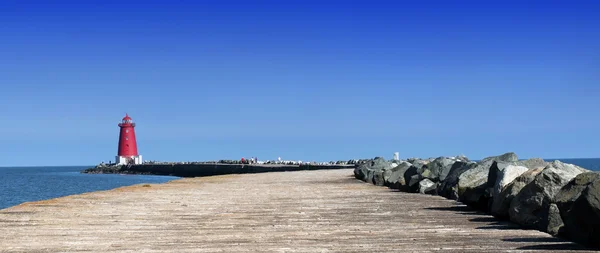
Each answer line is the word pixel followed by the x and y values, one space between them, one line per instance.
pixel 303 211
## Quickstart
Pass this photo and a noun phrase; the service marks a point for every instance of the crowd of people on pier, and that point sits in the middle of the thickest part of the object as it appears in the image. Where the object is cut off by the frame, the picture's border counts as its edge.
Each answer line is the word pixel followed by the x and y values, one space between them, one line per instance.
pixel 279 161
pixel 251 160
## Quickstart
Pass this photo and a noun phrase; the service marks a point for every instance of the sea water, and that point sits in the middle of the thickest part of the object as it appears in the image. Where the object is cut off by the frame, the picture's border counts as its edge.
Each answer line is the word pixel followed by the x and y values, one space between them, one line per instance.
pixel 587 163
pixel 24 184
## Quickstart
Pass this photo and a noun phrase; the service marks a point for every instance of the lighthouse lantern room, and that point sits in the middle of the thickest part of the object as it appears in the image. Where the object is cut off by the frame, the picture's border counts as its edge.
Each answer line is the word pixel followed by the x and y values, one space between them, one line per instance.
pixel 128 153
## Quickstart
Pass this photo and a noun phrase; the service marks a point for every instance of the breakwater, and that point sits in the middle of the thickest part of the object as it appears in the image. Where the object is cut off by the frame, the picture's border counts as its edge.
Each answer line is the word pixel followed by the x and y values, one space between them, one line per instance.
pixel 206 169
pixel 554 197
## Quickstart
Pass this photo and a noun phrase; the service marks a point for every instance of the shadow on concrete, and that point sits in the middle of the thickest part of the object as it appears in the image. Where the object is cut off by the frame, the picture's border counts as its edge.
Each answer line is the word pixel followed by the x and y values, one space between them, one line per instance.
pixel 492 223
pixel 484 219
pixel 534 239
pixel 466 210
pixel 556 247
pixel 500 226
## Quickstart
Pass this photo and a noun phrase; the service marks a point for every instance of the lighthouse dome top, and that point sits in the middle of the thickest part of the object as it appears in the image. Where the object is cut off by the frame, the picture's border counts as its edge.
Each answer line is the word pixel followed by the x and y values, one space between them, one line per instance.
pixel 127 121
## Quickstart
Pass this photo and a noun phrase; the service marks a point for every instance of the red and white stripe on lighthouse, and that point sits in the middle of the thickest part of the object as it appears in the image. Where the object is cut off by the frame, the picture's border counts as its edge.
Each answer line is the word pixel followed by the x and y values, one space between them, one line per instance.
pixel 128 153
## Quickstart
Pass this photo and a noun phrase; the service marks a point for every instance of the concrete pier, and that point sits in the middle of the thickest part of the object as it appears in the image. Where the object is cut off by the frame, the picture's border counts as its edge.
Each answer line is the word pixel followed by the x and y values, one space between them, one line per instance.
pixel 301 211
pixel 206 169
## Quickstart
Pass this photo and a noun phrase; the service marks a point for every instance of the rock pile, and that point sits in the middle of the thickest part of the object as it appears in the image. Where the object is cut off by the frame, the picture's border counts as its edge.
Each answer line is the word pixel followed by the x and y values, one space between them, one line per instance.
pixel 554 197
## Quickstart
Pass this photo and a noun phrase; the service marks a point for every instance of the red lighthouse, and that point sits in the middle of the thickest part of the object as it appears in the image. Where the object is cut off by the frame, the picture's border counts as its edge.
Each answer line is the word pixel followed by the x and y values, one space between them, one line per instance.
pixel 128 153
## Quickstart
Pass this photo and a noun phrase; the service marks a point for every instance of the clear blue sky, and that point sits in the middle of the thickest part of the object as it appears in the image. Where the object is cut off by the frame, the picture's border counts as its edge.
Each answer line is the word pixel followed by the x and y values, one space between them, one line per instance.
pixel 310 80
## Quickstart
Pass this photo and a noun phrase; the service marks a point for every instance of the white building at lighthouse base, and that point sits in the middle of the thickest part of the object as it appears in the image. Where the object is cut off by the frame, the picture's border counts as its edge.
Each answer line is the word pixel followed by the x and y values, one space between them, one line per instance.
pixel 121 160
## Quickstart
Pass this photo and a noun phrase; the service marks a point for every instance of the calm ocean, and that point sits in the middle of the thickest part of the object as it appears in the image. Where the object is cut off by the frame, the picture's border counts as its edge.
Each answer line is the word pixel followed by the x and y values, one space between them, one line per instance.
pixel 587 163
pixel 24 184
